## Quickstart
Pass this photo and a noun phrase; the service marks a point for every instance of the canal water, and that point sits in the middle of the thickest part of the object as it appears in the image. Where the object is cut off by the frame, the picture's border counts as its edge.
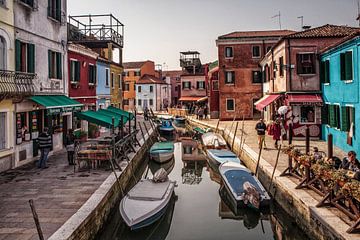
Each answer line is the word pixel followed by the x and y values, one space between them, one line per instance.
pixel 199 210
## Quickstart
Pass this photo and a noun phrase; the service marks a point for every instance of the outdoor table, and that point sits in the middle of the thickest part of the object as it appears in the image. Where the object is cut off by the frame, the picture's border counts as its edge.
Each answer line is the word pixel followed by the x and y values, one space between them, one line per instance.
pixel 93 157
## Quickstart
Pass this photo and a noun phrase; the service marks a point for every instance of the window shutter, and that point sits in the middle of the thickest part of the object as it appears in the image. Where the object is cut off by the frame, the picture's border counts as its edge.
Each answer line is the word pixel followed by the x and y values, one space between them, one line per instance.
pixel 77 71
pixel 322 71
pixel 344 120
pixel 348 66
pixel 233 77
pixel 312 59
pixel 325 114
pixel 337 116
pixel 352 110
pixel 58 10
pixel 197 85
pixel 189 85
pixel 31 57
pixel 17 55
pixel 58 66
pixel 331 109
pixel 49 63
pixel 342 66
pixel 298 64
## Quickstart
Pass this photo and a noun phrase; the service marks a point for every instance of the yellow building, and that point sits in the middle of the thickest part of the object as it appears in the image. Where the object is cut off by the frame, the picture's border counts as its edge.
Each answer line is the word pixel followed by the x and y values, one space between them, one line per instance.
pixel 116 71
pixel 7 64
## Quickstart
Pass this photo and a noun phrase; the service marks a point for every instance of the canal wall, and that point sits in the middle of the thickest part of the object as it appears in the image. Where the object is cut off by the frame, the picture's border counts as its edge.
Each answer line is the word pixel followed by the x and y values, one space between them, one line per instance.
pixel 318 223
pixel 89 219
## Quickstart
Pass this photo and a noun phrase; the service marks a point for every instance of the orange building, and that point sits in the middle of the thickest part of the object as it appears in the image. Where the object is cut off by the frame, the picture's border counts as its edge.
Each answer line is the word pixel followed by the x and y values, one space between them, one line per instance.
pixel 133 71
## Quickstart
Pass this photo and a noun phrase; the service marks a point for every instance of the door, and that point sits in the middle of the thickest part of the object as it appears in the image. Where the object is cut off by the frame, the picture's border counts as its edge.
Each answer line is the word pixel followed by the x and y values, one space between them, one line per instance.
pixel 145 104
pixel 65 128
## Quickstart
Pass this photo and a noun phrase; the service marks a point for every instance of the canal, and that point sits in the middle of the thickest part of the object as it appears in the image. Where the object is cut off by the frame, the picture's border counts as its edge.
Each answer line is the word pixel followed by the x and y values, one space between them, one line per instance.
pixel 199 210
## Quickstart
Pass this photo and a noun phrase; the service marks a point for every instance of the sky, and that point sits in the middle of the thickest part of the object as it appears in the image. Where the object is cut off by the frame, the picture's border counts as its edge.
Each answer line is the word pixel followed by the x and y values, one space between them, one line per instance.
pixel 158 30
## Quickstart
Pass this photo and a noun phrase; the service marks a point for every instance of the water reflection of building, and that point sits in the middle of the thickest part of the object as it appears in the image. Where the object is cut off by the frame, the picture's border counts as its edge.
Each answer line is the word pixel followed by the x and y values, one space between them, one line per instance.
pixel 191 150
pixel 192 171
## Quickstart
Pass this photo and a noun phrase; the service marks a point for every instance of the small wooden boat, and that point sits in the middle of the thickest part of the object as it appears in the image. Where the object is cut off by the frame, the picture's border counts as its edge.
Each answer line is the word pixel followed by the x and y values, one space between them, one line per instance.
pixel 146 202
pixel 168 166
pixel 245 190
pixel 213 140
pixel 162 151
pixel 219 156
pixel 180 120
pixel 166 127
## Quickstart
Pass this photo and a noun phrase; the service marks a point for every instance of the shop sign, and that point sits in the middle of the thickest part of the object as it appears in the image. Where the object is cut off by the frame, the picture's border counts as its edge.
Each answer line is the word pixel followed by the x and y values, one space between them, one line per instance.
pixel 54 111
pixel 77 108
pixel 308 103
pixel 67 109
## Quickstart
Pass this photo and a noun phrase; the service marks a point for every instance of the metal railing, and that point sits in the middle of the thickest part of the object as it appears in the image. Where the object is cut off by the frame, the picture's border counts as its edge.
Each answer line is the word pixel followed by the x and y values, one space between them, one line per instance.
pixel 15 84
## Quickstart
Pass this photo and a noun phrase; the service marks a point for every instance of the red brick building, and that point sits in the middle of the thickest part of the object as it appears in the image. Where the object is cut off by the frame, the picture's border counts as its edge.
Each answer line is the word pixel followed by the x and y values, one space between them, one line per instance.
pixel 213 89
pixel 175 82
pixel 240 80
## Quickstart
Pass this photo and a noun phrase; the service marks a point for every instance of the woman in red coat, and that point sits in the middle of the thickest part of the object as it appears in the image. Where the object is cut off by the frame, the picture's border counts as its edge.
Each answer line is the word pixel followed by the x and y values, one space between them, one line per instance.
pixel 276 132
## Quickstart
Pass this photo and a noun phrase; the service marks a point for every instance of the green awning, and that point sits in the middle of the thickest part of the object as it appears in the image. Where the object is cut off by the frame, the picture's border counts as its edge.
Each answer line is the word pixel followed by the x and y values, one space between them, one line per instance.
pixel 111 114
pixel 98 118
pixel 121 112
pixel 57 103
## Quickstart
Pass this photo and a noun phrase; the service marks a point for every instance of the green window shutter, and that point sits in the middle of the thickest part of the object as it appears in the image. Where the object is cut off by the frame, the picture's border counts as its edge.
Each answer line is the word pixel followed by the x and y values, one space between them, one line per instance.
pixel 348 66
pixel 325 114
pixel 58 10
pixel 342 66
pixel 337 116
pixel 322 71
pixel 71 71
pixel 58 66
pixel 49 63
pixel 31 57
pixel 332 115
pixel 344 119
pixel 17 55
pixel 77 71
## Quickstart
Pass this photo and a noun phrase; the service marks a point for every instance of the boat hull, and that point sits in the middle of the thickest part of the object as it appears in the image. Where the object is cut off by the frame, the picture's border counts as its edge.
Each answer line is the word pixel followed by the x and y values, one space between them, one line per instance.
pixel 161 157
pixel 180 120
pixel 216 160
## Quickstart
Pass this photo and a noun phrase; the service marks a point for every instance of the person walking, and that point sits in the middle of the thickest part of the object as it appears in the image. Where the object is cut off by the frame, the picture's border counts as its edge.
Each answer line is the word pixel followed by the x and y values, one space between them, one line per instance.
pixel 70 146
pixel 205 112
pixel 45 146
pixel 276 132
pixel 260 127
pixel 146 114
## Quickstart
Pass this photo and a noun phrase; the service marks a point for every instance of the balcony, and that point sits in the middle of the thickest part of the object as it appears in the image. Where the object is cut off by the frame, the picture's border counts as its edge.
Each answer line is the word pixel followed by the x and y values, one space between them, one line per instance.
pixel 16 84
pixel 190 61
pixel 96 31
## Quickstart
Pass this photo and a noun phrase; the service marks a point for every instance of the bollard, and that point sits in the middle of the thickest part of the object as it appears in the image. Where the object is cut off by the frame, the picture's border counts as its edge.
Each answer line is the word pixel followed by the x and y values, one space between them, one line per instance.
pixel 36 219
pixel 330 145
pixel 233 141
pixel 307 140
pixel 290 133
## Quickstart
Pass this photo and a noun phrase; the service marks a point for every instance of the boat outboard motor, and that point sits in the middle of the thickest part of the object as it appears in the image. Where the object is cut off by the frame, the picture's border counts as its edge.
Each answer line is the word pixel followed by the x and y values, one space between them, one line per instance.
pixel 160 175
pixel 251 195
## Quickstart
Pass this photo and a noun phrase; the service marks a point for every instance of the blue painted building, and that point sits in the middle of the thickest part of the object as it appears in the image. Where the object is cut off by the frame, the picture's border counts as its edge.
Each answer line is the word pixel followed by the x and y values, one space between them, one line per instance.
pixel 103 83
pixel 341 92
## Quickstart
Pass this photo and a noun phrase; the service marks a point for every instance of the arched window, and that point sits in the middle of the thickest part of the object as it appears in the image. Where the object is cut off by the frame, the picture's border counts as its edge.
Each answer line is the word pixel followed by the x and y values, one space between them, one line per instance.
pixel 2 53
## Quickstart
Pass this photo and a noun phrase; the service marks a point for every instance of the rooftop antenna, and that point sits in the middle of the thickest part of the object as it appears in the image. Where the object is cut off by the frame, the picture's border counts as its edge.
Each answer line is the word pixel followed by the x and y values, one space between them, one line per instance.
pixel 279 16
pixel 358 17
pixel 302 21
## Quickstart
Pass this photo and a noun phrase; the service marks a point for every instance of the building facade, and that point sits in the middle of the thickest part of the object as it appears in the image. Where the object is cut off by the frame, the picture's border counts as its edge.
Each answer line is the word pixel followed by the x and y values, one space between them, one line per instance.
pixel 103 83
pixel 175 82
pixel 341 92
pixel 133 71
pixel 116 72
pixel 240 80
pixel 291 72
pixel 213 89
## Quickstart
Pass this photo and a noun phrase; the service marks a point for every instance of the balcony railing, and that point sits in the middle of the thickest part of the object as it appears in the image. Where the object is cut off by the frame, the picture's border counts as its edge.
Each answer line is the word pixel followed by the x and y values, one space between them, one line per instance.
pixel 96 30
pixel 16 84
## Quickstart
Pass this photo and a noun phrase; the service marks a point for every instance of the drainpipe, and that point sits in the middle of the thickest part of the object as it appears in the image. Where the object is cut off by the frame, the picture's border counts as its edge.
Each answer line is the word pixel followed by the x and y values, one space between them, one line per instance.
pixel 290 70
pixel 272 70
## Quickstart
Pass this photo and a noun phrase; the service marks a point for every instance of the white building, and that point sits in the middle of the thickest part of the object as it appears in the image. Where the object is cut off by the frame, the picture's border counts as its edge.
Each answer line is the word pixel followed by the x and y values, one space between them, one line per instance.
pixel 153 93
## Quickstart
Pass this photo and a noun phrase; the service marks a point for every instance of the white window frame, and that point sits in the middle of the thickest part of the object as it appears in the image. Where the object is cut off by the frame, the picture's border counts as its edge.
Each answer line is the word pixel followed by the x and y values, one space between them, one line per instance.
pixel 232 52
pixel 72 77
pixel 203 83
pixel 107 75
pixel 5 131
pixel 226 75
pixel 226 100
pixel 120 81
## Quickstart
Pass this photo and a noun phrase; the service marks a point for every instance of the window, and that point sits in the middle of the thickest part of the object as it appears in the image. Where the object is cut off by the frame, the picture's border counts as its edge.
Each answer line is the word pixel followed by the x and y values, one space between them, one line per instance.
pixel 307 114
pixel 28 2
pixel 127 87
pixel 274 69
pixel 230 105
pixel 305 63
pixel 256 77
pixel 92 74
pixel 24 57
pixel 2 53
pixel 229 52
pixel 347 117
pixel 106 77
pixel 151 88
pixel 334 116
pixel 3 3
pixel 187 149
pixel 256 51
pixel 281 63
pixel 137 73
pixel 200 84
pixel 120 81
pixel 55 61
pixel 112 80
pixel 74 71
pixel 126 102
pixel 346 66
pixel 54 9
pixel 139 102
pixel 325 71
pixel 151 102
pixel 215 85
pixel 139 89
pixel 186 85
pixel 2 130
pixel 229 77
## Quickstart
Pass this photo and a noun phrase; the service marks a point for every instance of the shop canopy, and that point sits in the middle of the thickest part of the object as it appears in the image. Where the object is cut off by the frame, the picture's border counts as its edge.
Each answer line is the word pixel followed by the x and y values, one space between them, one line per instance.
pixel 121 112
pixel 304 99
pixel 192 99
pixel 203 99
pixel 57 103
pixel 111 114
pixel 265 101
pixel 98 118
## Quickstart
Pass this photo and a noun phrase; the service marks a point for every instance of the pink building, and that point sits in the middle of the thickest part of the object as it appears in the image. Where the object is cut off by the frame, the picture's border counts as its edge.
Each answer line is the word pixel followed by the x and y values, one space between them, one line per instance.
pixel 175 82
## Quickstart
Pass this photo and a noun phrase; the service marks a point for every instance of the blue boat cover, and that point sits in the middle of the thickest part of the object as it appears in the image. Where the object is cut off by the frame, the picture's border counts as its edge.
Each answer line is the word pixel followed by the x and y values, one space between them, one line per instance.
pixel 237 178
pixel 223 153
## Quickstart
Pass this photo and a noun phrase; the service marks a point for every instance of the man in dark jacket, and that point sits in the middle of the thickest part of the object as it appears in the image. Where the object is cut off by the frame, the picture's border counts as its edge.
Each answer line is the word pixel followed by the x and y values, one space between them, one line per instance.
pixel 261 128
pixel 352 164
pixel 45 146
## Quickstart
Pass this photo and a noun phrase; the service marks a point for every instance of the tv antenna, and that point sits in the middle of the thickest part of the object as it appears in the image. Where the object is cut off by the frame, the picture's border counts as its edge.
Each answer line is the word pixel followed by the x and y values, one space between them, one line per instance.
pixel 278 16
pixel 358 17
pixel 302 21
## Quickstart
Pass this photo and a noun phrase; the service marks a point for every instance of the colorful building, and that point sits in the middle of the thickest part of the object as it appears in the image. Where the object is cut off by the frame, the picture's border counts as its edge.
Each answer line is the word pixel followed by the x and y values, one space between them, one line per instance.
pixel 213 89
pixel 116 72
pixel 340 83
pixel 291 76
pixel 103 83
pixel 240 80
pixel 133 71
pixel 175 82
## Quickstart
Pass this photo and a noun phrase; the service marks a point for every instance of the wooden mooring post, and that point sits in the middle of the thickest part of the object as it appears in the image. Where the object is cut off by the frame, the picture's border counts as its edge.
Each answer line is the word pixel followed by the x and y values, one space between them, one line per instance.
pixel 276 163
pixel 259 157
pixel 217 125
pixel 36 219
pixel 142 133
pixel 307 140
pixel 330 149
pixel 290 133
pixel 233 141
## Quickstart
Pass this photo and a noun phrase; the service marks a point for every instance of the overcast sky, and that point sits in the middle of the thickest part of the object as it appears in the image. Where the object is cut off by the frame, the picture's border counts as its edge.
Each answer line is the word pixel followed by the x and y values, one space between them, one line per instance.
pixel 159 29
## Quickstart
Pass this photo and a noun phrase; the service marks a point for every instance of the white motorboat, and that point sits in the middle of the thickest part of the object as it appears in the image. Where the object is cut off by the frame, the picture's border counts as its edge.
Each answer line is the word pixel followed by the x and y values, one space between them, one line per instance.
pixel 213 140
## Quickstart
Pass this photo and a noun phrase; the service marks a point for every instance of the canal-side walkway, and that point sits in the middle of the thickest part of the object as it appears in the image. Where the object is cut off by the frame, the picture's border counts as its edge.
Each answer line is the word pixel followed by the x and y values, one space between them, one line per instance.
pixel 59 194
pixel 324 221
